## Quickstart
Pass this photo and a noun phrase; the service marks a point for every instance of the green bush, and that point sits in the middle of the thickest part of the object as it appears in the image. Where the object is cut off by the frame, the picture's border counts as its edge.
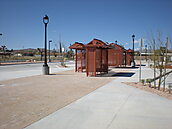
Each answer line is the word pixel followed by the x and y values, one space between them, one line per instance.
pixel 143 81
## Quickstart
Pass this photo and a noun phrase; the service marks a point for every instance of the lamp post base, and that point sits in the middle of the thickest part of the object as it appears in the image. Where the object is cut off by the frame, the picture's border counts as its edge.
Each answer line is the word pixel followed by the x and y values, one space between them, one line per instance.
pixel 133 64
pixel 45 70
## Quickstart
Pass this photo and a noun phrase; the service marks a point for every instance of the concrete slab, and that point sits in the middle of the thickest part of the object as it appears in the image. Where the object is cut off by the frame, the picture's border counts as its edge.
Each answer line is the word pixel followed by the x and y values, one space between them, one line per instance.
pixel 113 106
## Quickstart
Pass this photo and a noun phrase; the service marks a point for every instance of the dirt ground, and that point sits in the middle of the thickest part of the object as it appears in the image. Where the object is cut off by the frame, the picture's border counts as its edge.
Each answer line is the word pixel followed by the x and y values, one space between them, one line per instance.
pixel 152 90
pixel 26 100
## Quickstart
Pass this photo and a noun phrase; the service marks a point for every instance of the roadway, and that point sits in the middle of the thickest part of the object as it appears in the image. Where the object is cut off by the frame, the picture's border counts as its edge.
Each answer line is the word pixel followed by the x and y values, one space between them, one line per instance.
pixel 8 72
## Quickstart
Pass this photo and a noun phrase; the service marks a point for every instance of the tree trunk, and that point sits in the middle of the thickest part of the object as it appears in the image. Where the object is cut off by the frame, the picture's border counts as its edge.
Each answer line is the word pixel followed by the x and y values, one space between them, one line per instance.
pixel 154 63
pixel 161 67
pixel 166 48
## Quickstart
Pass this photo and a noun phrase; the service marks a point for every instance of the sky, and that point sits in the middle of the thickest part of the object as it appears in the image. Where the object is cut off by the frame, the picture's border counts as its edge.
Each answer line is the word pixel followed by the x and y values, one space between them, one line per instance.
pixel 21 22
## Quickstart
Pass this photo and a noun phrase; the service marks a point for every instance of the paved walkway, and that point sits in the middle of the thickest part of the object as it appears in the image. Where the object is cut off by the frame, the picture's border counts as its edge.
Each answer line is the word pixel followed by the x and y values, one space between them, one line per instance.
pixel 25 70
pixel 113 106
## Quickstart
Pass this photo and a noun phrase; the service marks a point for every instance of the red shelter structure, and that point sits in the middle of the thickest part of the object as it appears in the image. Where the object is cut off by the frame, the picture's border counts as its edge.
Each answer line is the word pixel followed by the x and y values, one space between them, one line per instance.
pixel 116 55
pixel 80 56
pixel 96 57
pixel 129 56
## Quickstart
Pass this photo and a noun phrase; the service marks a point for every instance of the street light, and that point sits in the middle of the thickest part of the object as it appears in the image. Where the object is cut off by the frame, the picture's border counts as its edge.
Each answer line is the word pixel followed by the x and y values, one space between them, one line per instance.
pixel 133 62
pixel 45 65
pixel 49 50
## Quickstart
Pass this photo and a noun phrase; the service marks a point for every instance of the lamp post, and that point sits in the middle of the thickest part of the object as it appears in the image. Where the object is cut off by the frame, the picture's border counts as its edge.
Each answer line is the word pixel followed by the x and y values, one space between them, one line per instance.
pixel 49 50
pixel 133 62
pixel 0 34
pixel 45 65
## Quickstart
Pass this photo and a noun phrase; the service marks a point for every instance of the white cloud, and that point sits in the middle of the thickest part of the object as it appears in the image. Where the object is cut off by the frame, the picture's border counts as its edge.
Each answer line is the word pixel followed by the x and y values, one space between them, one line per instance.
pixel 54 31
pixel 139 40
pixel 136 49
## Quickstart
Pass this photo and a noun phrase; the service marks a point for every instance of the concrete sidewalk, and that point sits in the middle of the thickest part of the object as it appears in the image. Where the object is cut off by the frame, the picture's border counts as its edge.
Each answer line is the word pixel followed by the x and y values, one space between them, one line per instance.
pixel 113 106
pixel 9 72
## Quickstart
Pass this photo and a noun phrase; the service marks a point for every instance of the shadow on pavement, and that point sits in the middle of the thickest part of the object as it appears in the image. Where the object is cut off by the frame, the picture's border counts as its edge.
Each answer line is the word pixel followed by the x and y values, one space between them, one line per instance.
pixel 141 65
pixel 116 74
pixel 127 67
pixel 123 74
pixel 60 74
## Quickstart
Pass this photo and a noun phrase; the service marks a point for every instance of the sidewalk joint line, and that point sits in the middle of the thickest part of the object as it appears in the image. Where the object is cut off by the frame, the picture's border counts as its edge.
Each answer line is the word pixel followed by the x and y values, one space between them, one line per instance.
pixel 114 117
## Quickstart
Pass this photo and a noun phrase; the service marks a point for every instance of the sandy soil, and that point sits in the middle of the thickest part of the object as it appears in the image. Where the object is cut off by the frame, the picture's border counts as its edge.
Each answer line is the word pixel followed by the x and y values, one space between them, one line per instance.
pixel 152 90
pixel 26 100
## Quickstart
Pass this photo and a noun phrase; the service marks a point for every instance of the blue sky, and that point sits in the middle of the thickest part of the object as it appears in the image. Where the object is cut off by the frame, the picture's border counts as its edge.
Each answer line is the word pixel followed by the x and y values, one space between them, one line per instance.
pixel 82 20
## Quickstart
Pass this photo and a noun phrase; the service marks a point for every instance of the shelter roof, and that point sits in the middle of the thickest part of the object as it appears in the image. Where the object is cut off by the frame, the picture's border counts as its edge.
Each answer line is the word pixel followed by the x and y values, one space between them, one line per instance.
pixel 77 45
pixel 129 50
pixel 97 43
pixel 113 45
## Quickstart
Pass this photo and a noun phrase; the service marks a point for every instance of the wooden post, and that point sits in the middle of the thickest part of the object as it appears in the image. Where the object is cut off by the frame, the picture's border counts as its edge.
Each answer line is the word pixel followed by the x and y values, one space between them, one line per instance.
pixel 81 60
pixel 107 59
pixel 101 59
pixel 125 58
pixel 76 60
pixel 87 68
pixel 95 62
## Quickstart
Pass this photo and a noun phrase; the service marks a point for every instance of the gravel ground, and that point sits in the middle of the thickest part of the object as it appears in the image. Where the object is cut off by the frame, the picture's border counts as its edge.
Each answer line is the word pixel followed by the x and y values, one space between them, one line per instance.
pixel 26 100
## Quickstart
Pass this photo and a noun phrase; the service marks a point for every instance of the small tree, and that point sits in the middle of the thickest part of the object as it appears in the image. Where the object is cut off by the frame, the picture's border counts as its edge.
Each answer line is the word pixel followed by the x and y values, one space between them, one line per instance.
pixel 159 57
pixel 41 52
pixel 69 54
pixel 4 48
pixel 54 53
pixel 160 63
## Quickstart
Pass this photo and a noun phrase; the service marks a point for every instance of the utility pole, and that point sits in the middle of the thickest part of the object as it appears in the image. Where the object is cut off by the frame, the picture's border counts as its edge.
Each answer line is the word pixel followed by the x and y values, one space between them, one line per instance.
pixel 61 51
pixel 140 74
pixel 146 52
pixel 149 55
pixel 154 63
pixel 50 41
